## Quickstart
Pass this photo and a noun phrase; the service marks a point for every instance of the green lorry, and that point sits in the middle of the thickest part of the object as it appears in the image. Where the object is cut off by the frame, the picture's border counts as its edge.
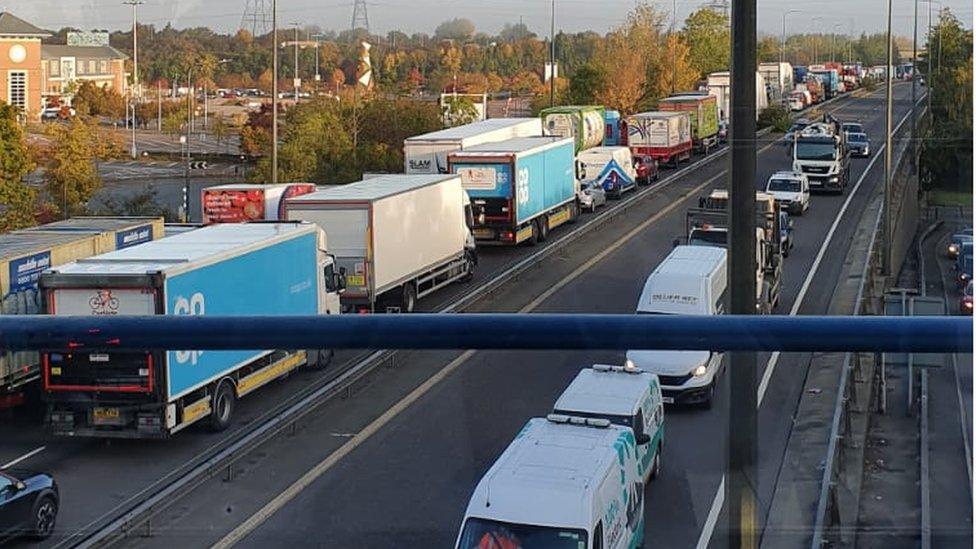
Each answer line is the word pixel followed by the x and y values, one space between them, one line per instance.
pixel 703 109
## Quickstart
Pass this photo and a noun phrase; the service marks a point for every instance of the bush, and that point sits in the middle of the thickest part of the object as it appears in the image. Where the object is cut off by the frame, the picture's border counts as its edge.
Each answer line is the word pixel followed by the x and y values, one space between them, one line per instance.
pixel 776 116
pixel 869 83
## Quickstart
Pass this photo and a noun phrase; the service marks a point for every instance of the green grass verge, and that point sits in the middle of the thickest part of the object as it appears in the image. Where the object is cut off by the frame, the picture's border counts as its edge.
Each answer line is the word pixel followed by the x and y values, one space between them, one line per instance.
pixel 940 197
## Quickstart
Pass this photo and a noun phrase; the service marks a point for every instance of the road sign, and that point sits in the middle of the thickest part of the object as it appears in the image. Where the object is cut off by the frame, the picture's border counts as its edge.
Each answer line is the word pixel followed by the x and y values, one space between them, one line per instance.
pixel 198 165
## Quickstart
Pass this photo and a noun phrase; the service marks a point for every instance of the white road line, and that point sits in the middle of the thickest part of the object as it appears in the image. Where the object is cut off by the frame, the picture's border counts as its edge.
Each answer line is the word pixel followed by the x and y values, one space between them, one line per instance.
pixel 28 455
pixel 709 527
pixel 255 520
pixel 712 519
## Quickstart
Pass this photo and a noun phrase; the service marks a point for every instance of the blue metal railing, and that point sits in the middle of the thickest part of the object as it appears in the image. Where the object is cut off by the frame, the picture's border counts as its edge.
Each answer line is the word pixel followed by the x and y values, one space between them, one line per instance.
pixel 493 331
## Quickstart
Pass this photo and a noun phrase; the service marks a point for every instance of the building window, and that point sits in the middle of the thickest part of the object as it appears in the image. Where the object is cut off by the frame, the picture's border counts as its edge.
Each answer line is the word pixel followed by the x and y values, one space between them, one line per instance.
pixel 17 89
pixel 102 66
pixel 91 66
pixel 55 67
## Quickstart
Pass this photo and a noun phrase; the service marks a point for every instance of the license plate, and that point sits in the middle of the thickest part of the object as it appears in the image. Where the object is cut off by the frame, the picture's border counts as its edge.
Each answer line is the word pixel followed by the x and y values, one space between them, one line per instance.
pixel 97 357
pixel 355 280
pixel 105 414
pixel 484 233
pixel 667 400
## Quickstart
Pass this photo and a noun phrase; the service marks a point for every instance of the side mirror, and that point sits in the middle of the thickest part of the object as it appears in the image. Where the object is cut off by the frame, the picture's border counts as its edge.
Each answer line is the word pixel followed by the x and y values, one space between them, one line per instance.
pixel 642 438
pixel 338 281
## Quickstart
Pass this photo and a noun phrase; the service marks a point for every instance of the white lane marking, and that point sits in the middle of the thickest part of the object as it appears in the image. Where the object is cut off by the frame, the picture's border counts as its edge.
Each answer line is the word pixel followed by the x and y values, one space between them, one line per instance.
pixel 709 527
pixel 712 519
pixel 282 499
pixel 26 456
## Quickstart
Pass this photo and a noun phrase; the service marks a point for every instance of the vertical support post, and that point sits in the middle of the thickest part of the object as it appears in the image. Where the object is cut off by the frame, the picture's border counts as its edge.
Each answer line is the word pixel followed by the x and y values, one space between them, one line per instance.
pixel 552 55
pixel 914 88
pixel 274 92
pixel 742 450
pixel 886 234
pixel 159 106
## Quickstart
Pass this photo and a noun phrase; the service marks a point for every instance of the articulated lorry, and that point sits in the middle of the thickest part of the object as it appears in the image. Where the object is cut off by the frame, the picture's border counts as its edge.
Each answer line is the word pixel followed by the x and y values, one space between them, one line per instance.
pixel 238 203
pixel 708 225
pixel 780 78
pixel 719 84
pixel 427 153
pixel 398 237
pixel 585 124
pixel 820 151
pixel 26 253
pixel 228 269
pixel 703 109
pixel 520 189
pixel 663 136
pixel 830 79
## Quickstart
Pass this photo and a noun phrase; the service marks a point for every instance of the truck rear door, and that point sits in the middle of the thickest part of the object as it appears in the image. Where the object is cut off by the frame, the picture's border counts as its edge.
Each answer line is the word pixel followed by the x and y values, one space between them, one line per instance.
pixel 100 370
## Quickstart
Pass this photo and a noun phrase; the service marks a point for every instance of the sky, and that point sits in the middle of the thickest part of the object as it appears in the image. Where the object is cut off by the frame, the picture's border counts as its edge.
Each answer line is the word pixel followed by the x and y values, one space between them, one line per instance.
pixel 410 16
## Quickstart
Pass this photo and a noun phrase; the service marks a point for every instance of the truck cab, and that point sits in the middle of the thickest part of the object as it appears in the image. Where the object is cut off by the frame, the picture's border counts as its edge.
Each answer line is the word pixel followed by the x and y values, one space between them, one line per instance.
pixel 820 152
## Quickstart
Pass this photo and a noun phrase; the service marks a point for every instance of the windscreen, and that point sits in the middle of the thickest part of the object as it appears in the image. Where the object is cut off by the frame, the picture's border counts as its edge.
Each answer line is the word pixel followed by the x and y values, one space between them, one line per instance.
pixel 702 237
pixel 783 185
pixel 815 151
pixel 483 533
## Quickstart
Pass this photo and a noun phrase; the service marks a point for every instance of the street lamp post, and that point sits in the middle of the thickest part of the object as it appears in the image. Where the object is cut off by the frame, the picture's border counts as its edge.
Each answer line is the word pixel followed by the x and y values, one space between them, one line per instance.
pixel 782 47
pixel 552 54
pixel 833 43
pixel 816 43
pixel 185 140
pixel 135 71
pixel 673 46
pixel 274 91
pixel 296 82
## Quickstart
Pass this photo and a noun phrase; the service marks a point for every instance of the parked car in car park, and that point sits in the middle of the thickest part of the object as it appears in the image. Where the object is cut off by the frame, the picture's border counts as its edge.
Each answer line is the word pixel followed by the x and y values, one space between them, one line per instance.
pixel 28 504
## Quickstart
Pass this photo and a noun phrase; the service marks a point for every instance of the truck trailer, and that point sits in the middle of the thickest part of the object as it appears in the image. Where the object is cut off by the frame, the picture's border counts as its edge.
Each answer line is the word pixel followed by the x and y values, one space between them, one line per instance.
pixel 664 136
pixel 238 203
pixel 427 153
pixel 703 109
pixel 398 237
pixel 236 270
pixel 585 124
pixel 719 84
pixel 26 253
pixel 520 189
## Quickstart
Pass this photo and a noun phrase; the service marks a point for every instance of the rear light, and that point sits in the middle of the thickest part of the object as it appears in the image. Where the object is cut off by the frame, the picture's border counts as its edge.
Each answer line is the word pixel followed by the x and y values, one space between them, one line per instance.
pixel 508 235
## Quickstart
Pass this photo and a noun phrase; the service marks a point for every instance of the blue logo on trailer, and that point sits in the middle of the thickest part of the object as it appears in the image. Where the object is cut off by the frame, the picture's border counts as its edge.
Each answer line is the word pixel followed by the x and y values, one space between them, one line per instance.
pixel 238 287
pixel 624 181
pixel 25 271
pixel 131 237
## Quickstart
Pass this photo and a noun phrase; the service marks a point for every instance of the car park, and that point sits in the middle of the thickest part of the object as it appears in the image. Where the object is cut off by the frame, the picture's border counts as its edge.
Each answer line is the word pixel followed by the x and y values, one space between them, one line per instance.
pixel 858 144
pixel 29 504
pixel 791 190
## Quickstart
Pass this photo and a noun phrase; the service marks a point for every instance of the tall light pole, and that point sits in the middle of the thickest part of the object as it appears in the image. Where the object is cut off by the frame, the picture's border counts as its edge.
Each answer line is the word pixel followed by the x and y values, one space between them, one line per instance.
pixel 914 88
pixel 886 259
pixel 673 46
pixel 135 71
pixel 186 141
pixel 318 46
pixel 552 54
pixel 296 82
pixel 833 43
pixel 782 47
pixel 816 43
pixel 274 92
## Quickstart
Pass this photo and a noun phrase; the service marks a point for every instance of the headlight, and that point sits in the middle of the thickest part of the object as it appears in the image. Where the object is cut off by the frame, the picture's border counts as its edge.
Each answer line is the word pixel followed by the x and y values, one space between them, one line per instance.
pixel 629 364
pixel 964 276
pixel 967 304
pixel 700 371
pixel 953 248
pixel 834 179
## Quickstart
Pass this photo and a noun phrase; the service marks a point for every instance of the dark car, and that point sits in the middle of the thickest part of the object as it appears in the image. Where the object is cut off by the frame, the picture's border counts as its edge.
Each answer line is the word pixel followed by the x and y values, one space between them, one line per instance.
pixel 852 127
pixel 858 144
pixel 28 504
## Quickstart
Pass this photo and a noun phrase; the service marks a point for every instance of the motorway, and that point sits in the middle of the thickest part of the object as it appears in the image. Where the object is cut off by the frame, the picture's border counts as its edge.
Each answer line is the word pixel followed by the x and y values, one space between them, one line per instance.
pixel 408 483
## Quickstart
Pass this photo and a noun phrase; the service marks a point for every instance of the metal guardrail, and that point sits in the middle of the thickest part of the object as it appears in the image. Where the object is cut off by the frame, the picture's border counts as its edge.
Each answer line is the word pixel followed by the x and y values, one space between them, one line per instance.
pixel 827 513
pixel 481 331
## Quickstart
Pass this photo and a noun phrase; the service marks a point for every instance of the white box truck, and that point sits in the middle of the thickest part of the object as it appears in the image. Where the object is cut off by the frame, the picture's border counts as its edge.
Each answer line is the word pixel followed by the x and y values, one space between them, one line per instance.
pixel 565 481
pixel 225 269
pixel 399 237
pixel 427 153
pixel 719 85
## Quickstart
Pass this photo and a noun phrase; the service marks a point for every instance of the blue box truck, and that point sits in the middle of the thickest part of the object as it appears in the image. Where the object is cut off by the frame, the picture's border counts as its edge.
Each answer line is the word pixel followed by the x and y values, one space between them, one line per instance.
pixel 228 269
pixel 520 189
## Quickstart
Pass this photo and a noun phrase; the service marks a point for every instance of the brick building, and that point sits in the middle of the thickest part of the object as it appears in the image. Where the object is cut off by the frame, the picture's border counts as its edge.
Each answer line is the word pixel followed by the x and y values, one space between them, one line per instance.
pixel 21 80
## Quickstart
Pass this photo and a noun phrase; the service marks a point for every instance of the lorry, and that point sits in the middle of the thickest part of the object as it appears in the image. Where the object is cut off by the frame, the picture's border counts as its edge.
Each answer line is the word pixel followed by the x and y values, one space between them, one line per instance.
pixel 611 120
pixel 719 85
pixel 691 280
pixel 585 124
pixel 398 237
pixel 26 253
pixel 663 136
pixel 564 481
pixel 237 203
pixel 708 225
pixel 830 79
pixel 612 168
pixel 520 189
pixel 703 109
pixel 241 269
pixel 779 76
pixel 427 153
pixel 820 152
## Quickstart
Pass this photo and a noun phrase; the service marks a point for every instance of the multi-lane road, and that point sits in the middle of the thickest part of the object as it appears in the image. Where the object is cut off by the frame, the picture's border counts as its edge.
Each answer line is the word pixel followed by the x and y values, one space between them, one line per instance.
pixel 395 462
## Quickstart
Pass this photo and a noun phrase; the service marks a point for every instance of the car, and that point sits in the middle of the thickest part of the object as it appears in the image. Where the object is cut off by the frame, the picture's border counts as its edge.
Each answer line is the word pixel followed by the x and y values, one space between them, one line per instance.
pixel 966 301
pixel 723 131
pixel 791 190
pixel 647 169
pixel 852 127
pixel 858 144
pixel 591 195
pixel 29 504
pixel 956 242
pixel 785 232
pixel 796 128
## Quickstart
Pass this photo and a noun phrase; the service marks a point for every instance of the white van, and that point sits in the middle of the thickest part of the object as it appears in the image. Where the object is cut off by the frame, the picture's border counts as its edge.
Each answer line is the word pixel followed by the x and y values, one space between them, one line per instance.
pixel 692 280
pixel 611 167
pixel 564 481
pixel 625 396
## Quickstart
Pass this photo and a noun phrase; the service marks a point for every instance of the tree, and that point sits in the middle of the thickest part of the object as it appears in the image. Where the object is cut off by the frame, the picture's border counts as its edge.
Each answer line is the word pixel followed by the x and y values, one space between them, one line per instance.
pixel 17 200
pixel 455 29
pixel 93 100
pixel 459 111
pixel 71 175
pixel 515 32
pixel 585 83
pixel 142 203
pixel 220 128
pixel 706 33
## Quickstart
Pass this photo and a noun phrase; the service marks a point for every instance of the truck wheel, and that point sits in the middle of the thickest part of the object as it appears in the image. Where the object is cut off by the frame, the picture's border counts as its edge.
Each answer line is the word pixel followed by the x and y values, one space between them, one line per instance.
pixel 656 464
pixel 222 407
pixel 319 359
pixel 543 228
pixel 408 301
